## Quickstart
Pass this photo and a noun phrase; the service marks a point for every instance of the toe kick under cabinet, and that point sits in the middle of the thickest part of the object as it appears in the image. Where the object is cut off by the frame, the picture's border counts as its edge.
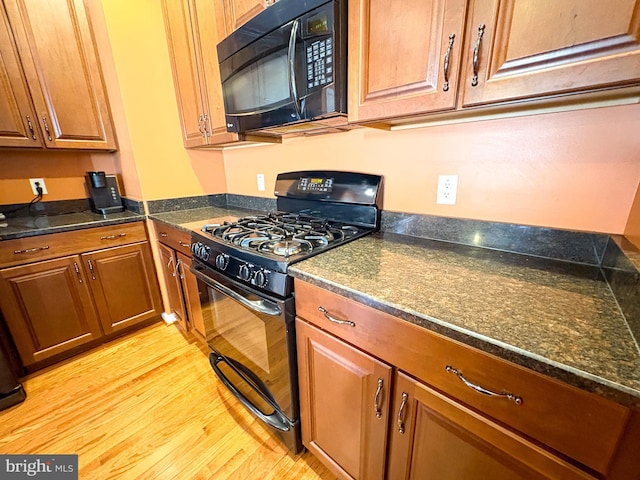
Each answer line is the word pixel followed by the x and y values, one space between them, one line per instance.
pixel 64 292
pixel 384 398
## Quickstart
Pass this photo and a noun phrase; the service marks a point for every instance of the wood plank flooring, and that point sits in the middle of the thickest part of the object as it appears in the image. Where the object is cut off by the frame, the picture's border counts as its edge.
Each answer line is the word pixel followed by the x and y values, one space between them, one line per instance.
pixel 147 406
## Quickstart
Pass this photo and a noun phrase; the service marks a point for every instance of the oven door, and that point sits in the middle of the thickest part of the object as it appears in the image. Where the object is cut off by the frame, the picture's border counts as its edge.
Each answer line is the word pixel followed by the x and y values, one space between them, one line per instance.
pixel 252 339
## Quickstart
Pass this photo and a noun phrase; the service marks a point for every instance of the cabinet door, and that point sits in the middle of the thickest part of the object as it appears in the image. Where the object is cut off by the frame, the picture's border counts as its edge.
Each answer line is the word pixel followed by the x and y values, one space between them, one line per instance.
pixel 18 121
pixel 400 62
pixel 238 12
pixel 432 436
pixel 48 309
pixel 170 269
pixel 186 78
pixel 344 404
pixel 59 57
pixel 203 13
pixel 191 297
pixel 124 285
pixel 533 49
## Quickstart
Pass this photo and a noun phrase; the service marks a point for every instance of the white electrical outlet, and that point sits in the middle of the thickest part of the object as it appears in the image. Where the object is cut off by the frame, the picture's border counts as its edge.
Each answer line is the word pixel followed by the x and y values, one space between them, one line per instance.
pixel 40 181
pixel 447 189
pixel 260 177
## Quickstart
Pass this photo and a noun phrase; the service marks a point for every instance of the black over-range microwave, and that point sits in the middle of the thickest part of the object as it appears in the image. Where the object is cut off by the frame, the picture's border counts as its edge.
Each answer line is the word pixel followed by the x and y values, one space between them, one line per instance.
pixel 285 70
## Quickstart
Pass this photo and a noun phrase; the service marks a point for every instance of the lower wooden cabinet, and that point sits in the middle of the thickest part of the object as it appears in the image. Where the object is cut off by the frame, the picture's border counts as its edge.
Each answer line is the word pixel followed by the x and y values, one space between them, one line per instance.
pixel 174 247
pixel 123 285
pixel 55 306
pixel 432 425
pixel 344 403
pixel 433 436
pixel 48 308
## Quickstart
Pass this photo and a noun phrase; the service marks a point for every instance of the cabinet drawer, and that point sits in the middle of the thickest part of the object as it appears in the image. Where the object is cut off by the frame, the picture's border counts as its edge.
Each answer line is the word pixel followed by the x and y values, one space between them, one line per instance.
pixel 579 424
pixel 179 240
pixel 43 247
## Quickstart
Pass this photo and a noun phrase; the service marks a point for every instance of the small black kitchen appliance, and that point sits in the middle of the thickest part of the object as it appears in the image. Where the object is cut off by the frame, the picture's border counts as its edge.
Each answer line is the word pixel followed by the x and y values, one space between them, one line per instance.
pixel 104 196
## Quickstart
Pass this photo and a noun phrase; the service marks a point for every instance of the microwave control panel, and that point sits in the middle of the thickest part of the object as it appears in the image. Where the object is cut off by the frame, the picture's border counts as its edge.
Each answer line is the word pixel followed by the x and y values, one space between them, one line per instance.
pixel 319 62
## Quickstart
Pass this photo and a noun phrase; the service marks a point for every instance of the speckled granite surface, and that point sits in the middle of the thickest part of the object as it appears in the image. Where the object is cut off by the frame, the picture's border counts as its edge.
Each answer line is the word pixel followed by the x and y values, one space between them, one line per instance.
pixel 195 218
pixel 557 318
pixel 20 227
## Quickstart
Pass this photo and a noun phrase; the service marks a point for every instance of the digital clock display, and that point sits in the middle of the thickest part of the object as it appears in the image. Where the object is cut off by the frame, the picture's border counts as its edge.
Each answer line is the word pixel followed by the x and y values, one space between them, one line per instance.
pixel 315 184
pixel 318 24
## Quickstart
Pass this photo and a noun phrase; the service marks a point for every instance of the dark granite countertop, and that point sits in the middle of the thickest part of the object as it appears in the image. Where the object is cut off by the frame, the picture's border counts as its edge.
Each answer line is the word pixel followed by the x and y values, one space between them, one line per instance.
pixel 558 318
pixel 195 218
pixel 29 226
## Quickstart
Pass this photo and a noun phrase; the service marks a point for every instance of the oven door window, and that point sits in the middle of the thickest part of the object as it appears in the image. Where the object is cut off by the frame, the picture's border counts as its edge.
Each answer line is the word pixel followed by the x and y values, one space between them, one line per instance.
pixel 252 346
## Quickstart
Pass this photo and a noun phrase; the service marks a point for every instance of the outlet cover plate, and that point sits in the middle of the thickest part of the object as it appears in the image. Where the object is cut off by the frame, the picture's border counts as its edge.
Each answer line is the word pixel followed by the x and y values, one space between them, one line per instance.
pixel 33 181
pixel 447 189
pixel 260 178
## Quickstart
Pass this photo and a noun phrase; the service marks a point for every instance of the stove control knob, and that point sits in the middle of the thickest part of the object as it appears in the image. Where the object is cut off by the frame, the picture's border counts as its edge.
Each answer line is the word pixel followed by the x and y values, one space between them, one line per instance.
pixel 244 272
pixel 260 278
pixel 201 251
pixel 222 261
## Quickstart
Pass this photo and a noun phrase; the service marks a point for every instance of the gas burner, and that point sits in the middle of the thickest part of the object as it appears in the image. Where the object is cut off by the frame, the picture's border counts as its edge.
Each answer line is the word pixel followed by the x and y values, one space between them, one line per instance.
pixel 286 248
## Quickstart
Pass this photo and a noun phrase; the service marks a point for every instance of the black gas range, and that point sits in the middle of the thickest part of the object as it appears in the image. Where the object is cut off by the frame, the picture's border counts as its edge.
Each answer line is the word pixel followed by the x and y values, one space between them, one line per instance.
pixel 316 211
pixel 246 295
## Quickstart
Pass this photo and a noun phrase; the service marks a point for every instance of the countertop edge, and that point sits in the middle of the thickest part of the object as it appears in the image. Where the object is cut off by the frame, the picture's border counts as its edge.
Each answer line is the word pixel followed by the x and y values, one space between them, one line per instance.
pixel 572 376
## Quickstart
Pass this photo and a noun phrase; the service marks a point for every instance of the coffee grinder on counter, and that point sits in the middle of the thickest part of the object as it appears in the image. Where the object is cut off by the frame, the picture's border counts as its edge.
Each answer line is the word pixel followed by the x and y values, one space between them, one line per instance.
pixel 103 193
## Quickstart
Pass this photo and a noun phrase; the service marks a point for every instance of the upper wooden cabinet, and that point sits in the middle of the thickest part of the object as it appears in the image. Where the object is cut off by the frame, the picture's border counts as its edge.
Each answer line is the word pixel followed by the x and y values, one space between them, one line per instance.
pixel 401 57
pixel 192 34
pixel 528 50
pixel 237 12
pixel 18 120
pixel 68 106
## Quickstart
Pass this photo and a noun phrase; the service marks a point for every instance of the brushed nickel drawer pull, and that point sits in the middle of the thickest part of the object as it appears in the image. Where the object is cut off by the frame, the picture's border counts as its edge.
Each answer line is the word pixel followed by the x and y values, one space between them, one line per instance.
pixel 75 266
pixel 334 319
pixel 376 400
pixel 403 405
pixel 509 396
pixel 93 274
pixel 163 234
pixel 31 250
pixel 182 244
pixel 111 237
pixel 179 269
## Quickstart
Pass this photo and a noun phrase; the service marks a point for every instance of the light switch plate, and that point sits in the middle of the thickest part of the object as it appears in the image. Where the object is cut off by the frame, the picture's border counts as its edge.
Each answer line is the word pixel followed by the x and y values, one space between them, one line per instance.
pixel 260 178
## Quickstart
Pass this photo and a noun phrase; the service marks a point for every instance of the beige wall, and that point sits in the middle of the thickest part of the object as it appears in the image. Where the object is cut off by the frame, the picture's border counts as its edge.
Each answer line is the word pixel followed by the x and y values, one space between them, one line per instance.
pixel 576 170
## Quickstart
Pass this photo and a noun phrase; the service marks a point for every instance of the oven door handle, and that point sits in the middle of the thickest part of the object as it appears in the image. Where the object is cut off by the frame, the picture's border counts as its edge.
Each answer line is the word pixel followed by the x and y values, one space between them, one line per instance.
pixel 275 420
pixel 261 306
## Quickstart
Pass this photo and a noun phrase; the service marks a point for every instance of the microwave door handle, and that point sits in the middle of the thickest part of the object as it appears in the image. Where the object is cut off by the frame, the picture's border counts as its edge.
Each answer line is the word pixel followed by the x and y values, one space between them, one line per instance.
pixel 260 306
pixel 275 420
pixel 292 67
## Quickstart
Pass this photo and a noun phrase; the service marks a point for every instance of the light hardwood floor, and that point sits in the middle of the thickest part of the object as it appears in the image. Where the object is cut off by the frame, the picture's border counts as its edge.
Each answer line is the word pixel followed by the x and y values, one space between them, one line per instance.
pixel 147 406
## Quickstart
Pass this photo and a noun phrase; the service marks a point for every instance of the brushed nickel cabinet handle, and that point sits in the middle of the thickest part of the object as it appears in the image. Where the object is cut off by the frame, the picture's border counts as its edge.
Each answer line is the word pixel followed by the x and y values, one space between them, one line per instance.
pixel 178 269
pixel 333 319
pixel 202 126
pixel 403 405
pixel 447 56
pixel 46 127
pixel 30 125
pixel 476 54
pixel 31 250
pixel 182 244
pixel 376 401
pixel 509 396
pixel 163 234
pixel 75 266
pixel 111 237
pixel 173 273
pixel 93 274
